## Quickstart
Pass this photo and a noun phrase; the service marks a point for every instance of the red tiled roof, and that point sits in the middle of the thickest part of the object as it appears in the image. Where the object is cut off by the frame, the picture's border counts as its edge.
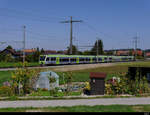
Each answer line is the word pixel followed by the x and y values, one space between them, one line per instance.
pixel 148 54
pixel 29 50
pixel 97 75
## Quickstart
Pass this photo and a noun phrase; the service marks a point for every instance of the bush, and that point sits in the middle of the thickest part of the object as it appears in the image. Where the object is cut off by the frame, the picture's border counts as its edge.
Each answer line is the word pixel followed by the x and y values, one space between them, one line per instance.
pixel 127 86
pixel 5 91
pixel 23 80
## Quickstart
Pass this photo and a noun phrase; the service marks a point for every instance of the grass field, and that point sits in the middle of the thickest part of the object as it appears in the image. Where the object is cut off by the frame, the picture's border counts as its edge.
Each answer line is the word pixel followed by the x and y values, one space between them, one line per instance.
pixel 16 64
pixel 4 76
pixel 97 108
pixel 83 75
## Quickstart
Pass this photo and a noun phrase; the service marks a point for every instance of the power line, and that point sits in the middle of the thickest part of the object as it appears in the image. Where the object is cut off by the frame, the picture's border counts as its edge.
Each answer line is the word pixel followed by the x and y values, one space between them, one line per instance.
pixel 29 14
pixel 71 21
pixel 39 34
pixel 136 43
pixel 24 30
pixel 95 30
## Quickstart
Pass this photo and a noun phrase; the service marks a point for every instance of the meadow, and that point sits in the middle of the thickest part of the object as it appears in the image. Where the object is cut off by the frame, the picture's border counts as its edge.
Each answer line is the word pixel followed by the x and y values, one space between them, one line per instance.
pixel 16 64
pixel 83 75
pixel 97 108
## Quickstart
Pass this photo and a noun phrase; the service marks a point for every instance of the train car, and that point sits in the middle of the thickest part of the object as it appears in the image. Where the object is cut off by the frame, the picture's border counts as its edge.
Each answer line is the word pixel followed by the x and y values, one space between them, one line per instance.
pixel 81 59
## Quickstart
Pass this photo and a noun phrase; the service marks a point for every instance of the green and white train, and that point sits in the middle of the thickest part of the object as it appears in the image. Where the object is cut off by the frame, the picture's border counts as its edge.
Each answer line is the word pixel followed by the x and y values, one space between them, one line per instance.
pixel 81 59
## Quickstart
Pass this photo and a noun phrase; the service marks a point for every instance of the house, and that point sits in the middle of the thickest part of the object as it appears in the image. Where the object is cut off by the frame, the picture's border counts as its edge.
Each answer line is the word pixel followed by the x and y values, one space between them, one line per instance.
pixel 139 52
pixel 126 52
pixel 12 52
pixel 47 52
pixel 29 51
pixel 122 52
pixel 147 53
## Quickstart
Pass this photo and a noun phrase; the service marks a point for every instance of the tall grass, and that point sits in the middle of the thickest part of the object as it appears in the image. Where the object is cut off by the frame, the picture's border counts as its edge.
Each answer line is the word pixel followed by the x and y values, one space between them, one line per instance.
pixel 82 108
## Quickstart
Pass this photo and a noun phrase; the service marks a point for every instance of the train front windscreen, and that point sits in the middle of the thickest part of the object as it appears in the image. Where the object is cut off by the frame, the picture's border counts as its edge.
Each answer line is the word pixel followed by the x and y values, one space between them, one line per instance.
pixel 42 58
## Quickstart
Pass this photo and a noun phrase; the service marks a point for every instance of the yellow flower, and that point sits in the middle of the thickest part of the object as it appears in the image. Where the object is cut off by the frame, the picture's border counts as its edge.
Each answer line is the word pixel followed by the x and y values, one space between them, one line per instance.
pixel 13 77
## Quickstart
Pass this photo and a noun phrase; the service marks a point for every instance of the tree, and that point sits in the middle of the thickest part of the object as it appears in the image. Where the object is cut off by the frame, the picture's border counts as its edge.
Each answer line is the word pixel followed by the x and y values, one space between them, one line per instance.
pixel 109 52
pixel 100 48
pixel 8 58
pixel 68 81
pixel 87 52
pixel 42 51
pixel 74 50
pixel 9 47
pixel 23 80
pixel 36 55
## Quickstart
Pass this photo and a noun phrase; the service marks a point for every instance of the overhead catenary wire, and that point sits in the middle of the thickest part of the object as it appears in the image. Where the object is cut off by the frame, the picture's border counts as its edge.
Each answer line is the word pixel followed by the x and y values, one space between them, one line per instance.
pixel 28 16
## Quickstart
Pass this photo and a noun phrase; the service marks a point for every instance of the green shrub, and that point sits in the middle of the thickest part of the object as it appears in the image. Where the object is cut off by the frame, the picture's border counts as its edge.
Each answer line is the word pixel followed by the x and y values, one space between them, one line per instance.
pixel 5 91
pixel 138 86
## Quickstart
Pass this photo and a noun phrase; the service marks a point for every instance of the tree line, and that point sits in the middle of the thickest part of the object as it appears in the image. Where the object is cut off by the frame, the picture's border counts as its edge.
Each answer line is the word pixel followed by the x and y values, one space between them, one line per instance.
pixel 96 49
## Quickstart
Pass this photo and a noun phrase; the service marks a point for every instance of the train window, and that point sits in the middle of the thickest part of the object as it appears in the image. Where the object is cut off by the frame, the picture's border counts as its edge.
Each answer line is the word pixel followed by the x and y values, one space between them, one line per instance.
pixel 87 59
pixel 73 59
pixel 81 59
pixel 110 58
pixel 47 59
pixel 105 58
pixel 53 59
pixel 42 58
pixel 100 59
pixel 124 58
pixel 94 59
pixel 64 59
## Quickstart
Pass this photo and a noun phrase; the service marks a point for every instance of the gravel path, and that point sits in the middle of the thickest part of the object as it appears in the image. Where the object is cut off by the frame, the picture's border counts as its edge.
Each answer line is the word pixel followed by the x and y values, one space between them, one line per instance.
pixel 90 102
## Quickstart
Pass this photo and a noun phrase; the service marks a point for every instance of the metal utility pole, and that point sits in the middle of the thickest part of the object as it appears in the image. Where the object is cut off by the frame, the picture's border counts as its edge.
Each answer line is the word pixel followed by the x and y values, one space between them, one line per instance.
pixel 71 21
pixel 135 46
pixel 24 27
pixel 97 50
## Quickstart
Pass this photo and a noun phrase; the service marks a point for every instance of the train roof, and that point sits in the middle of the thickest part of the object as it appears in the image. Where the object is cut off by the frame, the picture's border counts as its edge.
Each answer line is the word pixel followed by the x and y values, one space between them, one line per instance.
pixel 55 55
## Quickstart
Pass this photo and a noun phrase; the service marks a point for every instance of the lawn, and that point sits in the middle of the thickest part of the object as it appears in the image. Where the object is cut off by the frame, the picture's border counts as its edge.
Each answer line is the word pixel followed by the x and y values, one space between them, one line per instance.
pixel 16 64
pixel 4 76
pixel 83 75
pixel 97 108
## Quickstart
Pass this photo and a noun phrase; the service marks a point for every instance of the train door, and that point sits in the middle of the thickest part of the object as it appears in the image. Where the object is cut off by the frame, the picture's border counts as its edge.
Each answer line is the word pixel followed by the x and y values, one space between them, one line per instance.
pixel 57 60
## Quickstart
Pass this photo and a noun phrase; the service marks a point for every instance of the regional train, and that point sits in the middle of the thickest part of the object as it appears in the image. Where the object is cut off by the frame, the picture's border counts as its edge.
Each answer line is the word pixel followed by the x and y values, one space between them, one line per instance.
pixel 81 59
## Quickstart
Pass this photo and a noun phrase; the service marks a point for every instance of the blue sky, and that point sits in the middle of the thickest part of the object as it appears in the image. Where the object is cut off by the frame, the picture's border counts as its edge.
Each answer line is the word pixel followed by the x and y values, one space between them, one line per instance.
pixel 116 22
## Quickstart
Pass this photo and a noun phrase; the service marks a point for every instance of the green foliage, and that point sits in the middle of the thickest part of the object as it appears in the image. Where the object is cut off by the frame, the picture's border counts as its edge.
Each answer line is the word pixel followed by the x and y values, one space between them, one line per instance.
pixel 68 81
pixel 86 52
pixel 24 77
pixel 42 51
pixel 100 48
pixel 9 58
pixel 139 57
pixel 138 86
pixel 74 50
pixel 6 91
pixel 53 90
pixel 82 108
pixel 9 47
